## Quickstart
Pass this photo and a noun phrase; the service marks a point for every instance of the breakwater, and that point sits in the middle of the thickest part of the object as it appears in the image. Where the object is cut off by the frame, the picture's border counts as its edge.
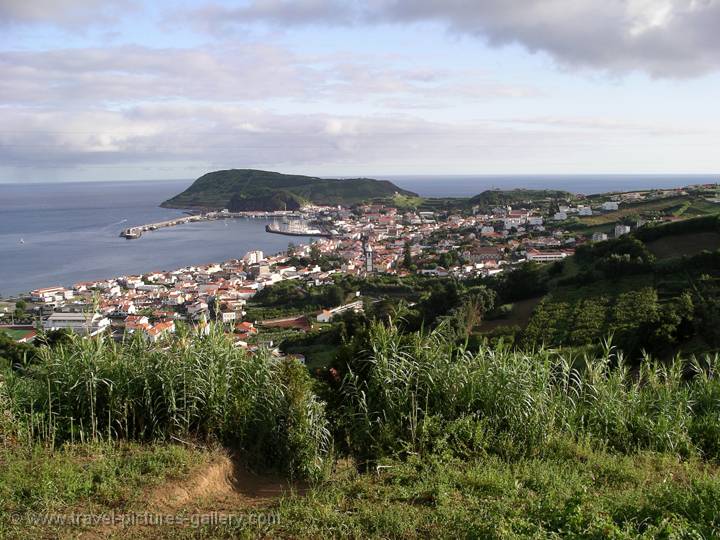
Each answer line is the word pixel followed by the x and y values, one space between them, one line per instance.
pixel 137 231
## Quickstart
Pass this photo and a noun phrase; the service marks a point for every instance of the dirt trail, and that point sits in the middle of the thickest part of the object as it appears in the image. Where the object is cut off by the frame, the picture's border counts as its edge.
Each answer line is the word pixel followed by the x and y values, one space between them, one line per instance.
pixel 224 485
pixel 221 487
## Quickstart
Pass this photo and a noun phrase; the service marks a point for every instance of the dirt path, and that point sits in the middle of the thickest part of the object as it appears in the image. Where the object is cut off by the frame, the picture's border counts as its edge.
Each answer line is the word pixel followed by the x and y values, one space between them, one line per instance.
pixel 224 485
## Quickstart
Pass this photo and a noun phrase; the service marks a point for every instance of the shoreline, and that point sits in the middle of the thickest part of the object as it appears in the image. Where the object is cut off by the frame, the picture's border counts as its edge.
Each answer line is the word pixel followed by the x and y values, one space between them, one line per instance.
pixel 24 293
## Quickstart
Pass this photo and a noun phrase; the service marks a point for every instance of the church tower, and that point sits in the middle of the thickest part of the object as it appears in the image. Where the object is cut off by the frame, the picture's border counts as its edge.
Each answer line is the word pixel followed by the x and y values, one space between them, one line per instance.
pixel 369 263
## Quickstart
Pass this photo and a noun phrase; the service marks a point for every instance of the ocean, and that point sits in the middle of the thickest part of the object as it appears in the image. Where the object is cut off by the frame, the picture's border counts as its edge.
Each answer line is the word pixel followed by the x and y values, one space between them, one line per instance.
pixel 62 233
pixel 59 234
pixel 468 185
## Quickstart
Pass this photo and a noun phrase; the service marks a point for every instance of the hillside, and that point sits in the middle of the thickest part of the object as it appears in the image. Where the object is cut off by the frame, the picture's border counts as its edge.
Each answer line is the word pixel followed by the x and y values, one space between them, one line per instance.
pixel 251 189
pixel 656 290
pixel 408 442
pixel 517 197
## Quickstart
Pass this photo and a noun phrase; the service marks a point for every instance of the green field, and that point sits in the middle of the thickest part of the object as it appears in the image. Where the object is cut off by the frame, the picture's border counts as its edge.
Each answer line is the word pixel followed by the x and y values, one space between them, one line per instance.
pixel 684 244
pixel 14 334
pixel 690 205
pixel 519 316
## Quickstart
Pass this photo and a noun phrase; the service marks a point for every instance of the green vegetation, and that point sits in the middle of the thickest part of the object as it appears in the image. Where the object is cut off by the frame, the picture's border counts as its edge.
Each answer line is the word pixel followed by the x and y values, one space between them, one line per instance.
pixel 518 197
pixel 39 478
pixel 656 290
pixel 687 206
pixel 199 387
pixel 250 189
pixel 440 439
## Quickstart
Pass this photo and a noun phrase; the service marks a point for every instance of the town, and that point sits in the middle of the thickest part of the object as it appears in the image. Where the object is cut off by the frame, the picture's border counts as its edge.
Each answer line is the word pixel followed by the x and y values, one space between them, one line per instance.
pixel 370 239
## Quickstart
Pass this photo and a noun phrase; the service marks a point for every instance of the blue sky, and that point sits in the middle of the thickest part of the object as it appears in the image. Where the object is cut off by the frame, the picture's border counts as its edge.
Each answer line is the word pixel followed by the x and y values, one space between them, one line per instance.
pixel 125 89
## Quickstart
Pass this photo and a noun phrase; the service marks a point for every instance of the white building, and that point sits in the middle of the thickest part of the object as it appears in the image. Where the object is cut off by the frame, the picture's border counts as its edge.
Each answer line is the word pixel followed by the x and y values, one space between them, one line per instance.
pixel 535 221
pixel 610 206
pixel 89 324
pixel 327 314
pixel 545 256
pixel 254 257
pixel 51 294
pixel 621 230
pixel 599 237
pixel 560 216
pixel 585 211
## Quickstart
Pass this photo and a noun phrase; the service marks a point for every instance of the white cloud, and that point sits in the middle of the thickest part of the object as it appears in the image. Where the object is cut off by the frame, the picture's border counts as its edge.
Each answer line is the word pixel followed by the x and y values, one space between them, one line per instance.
pixel 665 38
pixel 225 73
pixel 65 13
pixel 218 136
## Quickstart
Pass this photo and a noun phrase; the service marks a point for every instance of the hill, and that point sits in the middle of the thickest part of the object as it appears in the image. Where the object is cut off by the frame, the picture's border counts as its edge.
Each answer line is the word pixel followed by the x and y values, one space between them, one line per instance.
pixel 251 189
pixel 655 290
pixel 517 197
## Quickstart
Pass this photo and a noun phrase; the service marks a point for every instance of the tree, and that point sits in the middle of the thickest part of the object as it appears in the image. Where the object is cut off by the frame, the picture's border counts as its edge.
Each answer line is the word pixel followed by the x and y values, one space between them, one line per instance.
pixel 291 250
pixel 334 296
pixel 407 256
pixel 315 254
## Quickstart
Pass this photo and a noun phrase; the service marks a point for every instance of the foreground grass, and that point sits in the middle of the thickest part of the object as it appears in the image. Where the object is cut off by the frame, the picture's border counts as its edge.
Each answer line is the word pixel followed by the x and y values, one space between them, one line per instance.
pixel 572 492
pixel 575 494
pixel 81 478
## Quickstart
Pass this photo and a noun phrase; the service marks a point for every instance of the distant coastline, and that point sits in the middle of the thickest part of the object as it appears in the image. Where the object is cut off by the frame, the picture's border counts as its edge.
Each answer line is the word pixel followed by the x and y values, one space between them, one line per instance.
pixel 70 230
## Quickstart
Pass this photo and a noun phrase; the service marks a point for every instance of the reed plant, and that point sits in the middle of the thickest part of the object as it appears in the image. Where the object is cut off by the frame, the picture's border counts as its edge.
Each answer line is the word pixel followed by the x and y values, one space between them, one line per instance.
pixel 406 391
pixel 192 386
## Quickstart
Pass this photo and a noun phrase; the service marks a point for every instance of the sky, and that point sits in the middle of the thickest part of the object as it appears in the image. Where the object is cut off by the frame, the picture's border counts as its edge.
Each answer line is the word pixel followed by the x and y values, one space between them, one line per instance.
pixel 133 89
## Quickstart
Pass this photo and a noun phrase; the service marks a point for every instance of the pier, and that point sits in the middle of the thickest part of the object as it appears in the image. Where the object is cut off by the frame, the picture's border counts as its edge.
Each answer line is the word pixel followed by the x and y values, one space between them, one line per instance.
pixel 132 233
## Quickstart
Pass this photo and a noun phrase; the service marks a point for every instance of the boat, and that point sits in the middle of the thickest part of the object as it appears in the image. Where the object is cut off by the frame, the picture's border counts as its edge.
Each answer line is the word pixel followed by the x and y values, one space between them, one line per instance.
pixel 22 240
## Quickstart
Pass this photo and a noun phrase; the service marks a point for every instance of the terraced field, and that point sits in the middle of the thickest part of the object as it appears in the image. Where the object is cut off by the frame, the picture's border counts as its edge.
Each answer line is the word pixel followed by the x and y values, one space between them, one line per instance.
pixel 684 244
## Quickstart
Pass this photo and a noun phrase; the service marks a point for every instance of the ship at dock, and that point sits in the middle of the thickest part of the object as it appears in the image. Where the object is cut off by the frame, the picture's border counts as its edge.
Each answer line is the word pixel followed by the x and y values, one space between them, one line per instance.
pixel 294 227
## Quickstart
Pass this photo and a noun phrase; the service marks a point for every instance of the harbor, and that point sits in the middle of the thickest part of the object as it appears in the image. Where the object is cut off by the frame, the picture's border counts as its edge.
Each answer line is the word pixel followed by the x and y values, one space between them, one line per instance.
pixel 133 233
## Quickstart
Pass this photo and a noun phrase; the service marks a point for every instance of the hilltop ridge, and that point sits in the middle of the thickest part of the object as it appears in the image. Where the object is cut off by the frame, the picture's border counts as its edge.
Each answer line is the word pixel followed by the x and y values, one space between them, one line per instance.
pixel 253 189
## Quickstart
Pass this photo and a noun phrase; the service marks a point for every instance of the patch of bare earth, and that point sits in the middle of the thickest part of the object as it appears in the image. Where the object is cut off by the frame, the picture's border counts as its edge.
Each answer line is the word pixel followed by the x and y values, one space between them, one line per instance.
pixel 222 485
pixel 222 488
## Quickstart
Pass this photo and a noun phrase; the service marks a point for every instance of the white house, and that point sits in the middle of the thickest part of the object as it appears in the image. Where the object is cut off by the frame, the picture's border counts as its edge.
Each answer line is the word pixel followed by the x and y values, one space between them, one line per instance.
pixel 254 257
pixel 535 220
pixel 50 294
pixel 560 216
pixel 157 331
pixel 585 211
pixel 227 316
pixel 599 237
pixel 610 206
pixel 621 230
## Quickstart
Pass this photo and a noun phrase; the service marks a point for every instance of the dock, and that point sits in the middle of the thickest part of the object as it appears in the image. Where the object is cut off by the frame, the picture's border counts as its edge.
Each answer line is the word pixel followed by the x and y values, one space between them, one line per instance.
pixel 132 233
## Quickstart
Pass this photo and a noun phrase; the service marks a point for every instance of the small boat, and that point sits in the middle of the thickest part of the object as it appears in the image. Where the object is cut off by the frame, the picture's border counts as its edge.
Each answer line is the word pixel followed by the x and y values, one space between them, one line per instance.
pixel 22 240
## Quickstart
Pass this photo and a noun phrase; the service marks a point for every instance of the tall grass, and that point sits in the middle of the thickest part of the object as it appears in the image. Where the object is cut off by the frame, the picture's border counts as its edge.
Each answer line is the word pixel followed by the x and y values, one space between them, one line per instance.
pixel 406 392
pixel 190 387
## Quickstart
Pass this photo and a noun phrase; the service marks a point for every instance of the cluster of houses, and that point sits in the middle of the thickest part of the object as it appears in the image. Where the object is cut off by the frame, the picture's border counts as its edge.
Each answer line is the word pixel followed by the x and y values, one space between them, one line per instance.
pixel 368 239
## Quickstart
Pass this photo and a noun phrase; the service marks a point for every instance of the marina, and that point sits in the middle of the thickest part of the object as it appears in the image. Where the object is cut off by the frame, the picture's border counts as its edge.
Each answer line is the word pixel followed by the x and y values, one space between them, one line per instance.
pixel 132 233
